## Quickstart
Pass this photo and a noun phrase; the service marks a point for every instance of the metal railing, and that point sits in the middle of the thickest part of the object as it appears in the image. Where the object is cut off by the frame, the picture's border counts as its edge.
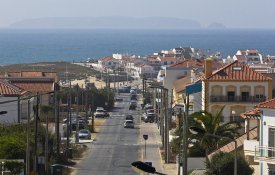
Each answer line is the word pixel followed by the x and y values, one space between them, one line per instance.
pixel 264 153
pixel 243 99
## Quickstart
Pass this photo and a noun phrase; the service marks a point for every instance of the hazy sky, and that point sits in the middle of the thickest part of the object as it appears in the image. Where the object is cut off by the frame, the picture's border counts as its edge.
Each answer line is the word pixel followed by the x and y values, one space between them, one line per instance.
pixel 232 13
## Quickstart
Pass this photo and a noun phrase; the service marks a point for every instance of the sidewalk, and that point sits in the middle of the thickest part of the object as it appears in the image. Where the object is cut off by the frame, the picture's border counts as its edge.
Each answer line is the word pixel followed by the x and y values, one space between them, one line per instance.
pixel 153 149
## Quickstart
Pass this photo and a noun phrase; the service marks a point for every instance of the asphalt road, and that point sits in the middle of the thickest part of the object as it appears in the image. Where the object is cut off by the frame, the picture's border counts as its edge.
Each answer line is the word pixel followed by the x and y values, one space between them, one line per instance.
pixel 115 147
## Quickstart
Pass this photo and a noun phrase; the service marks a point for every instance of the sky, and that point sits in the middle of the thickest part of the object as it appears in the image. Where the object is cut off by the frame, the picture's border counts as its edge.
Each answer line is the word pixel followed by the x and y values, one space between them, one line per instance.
pixel 231 13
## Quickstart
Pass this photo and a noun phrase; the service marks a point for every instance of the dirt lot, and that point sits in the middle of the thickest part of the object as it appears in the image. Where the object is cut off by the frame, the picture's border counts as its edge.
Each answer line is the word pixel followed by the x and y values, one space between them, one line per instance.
pixel 74 71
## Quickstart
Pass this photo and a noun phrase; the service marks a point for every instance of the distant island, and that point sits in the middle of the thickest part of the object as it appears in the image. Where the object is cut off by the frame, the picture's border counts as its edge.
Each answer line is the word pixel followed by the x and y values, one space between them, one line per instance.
pixel 107 23
pixel 216 25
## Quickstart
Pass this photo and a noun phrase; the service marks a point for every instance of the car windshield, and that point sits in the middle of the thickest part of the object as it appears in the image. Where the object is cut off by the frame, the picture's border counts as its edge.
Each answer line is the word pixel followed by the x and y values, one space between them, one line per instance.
pixel 99 110
pixel 84 131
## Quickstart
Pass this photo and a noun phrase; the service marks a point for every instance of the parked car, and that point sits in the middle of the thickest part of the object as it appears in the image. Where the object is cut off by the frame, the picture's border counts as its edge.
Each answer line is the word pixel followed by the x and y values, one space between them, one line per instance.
pixel 150 117
pixel 106 114
pixel 148 106
pixel 142 117
pixel 133 97
pixel 129 124
pixel 99 112
pixel 132 107
pixel 84 134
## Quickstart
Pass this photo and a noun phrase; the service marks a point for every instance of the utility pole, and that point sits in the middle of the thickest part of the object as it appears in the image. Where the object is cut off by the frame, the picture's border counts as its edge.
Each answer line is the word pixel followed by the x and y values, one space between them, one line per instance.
pixel 70 108
pixel 86 103
pixel 92 110
pixel 77 111
pixel 46 146
pixel 56 113
pixel 68 126
pixel 36 133
pixel 185 135
pixel 161 117
pixel 166 129
pixel 143 92
pixel 28 141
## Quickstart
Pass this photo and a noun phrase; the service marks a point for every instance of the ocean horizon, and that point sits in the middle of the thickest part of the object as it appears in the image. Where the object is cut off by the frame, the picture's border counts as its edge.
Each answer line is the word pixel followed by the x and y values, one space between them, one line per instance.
pixel 18 46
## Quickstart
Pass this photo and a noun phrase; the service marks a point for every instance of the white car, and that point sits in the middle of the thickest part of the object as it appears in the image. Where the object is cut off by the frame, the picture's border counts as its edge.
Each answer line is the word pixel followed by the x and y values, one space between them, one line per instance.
pixel 99 112
pixel 129 124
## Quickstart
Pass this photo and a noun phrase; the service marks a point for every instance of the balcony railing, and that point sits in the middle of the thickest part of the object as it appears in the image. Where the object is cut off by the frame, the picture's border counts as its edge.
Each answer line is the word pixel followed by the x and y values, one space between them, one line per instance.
pixel 264 153
pixel 243 99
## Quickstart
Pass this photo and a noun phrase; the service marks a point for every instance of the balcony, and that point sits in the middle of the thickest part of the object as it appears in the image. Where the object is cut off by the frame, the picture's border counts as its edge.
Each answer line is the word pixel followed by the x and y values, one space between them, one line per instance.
pixel 233 99
pixel 249 147
pixel 264 153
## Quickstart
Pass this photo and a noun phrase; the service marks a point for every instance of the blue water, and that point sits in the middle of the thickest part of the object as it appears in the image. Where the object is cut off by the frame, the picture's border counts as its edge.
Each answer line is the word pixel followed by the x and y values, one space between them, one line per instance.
pixel 28 46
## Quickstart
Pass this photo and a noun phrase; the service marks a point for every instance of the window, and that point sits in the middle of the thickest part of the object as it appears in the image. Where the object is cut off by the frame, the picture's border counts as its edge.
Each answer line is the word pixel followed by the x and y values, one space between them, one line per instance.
pixel 245 96
pixel 230 95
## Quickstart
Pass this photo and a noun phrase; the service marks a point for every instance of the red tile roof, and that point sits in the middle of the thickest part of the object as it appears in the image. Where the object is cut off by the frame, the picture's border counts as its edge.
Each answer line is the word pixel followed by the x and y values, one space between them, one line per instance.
pixel 167 58
pixel 253 112
pixel 35 86
pixel 105 59
pixel 29 74
pixel 9 89
pixel 237 72
pixel 188 63
pixel 267 104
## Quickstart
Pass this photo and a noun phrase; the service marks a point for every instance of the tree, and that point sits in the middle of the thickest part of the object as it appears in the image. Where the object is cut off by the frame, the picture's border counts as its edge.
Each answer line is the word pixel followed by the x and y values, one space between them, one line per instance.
pixel 14 167
pixel 211 123
pixel 223 164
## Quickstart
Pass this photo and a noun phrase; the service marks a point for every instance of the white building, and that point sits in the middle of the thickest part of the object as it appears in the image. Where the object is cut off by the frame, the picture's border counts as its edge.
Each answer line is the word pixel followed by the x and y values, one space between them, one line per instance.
pixel 261 152
pixel 15 109
pixel 251 56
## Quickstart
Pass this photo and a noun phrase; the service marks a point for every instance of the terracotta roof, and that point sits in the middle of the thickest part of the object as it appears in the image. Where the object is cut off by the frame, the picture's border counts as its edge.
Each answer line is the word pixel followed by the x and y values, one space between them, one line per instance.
pixel 267 104
pixel 34 87
pixel 254 112
pixel 181 83
pixel 167 58
pixel 29 74
pixel 252 51
pixel 237 72
pixel 9 89
pixel 104 59
pixel 188 63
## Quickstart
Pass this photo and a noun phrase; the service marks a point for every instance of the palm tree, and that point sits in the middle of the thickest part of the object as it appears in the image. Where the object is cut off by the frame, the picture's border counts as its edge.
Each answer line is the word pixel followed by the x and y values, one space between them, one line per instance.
pixel 211 123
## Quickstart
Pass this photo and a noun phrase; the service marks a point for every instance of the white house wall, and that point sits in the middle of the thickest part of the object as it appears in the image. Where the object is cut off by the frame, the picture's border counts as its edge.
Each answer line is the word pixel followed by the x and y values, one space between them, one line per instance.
pixel 172 75
pixel 267 122
pixel 11 108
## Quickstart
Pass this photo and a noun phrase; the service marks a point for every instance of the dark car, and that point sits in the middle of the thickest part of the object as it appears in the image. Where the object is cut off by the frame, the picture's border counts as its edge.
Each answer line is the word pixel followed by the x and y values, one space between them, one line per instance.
pixel 150 118
pixel 129 117
pixel 132 107
pixel 133 97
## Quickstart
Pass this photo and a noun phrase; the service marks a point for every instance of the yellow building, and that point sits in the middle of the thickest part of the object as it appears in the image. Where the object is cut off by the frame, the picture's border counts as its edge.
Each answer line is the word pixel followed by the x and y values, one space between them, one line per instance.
pixel 235 86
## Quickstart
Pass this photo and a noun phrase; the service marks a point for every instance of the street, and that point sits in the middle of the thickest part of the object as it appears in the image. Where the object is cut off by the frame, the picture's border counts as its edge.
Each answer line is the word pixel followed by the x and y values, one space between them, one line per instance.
pixel 115 147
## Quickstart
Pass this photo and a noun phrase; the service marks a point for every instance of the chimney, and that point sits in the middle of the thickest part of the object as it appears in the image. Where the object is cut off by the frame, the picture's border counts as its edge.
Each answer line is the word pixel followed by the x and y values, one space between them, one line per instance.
pixel 208 67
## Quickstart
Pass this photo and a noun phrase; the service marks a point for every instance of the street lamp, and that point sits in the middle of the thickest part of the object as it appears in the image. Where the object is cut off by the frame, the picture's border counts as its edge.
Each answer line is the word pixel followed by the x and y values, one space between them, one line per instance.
pixel 165 134
pixel 195 130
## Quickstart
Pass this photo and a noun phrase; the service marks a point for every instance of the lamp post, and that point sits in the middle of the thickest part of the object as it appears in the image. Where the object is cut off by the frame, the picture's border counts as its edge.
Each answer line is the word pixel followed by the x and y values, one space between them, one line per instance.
pixel 195 130
pixel 165 133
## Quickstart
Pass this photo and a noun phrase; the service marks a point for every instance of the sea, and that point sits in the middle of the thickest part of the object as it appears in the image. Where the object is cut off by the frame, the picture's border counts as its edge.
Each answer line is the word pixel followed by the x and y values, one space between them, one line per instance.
pixel 19 46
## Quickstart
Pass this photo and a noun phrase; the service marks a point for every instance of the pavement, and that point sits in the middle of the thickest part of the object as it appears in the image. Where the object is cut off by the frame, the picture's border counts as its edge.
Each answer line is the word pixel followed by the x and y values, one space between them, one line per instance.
pixel 153 145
